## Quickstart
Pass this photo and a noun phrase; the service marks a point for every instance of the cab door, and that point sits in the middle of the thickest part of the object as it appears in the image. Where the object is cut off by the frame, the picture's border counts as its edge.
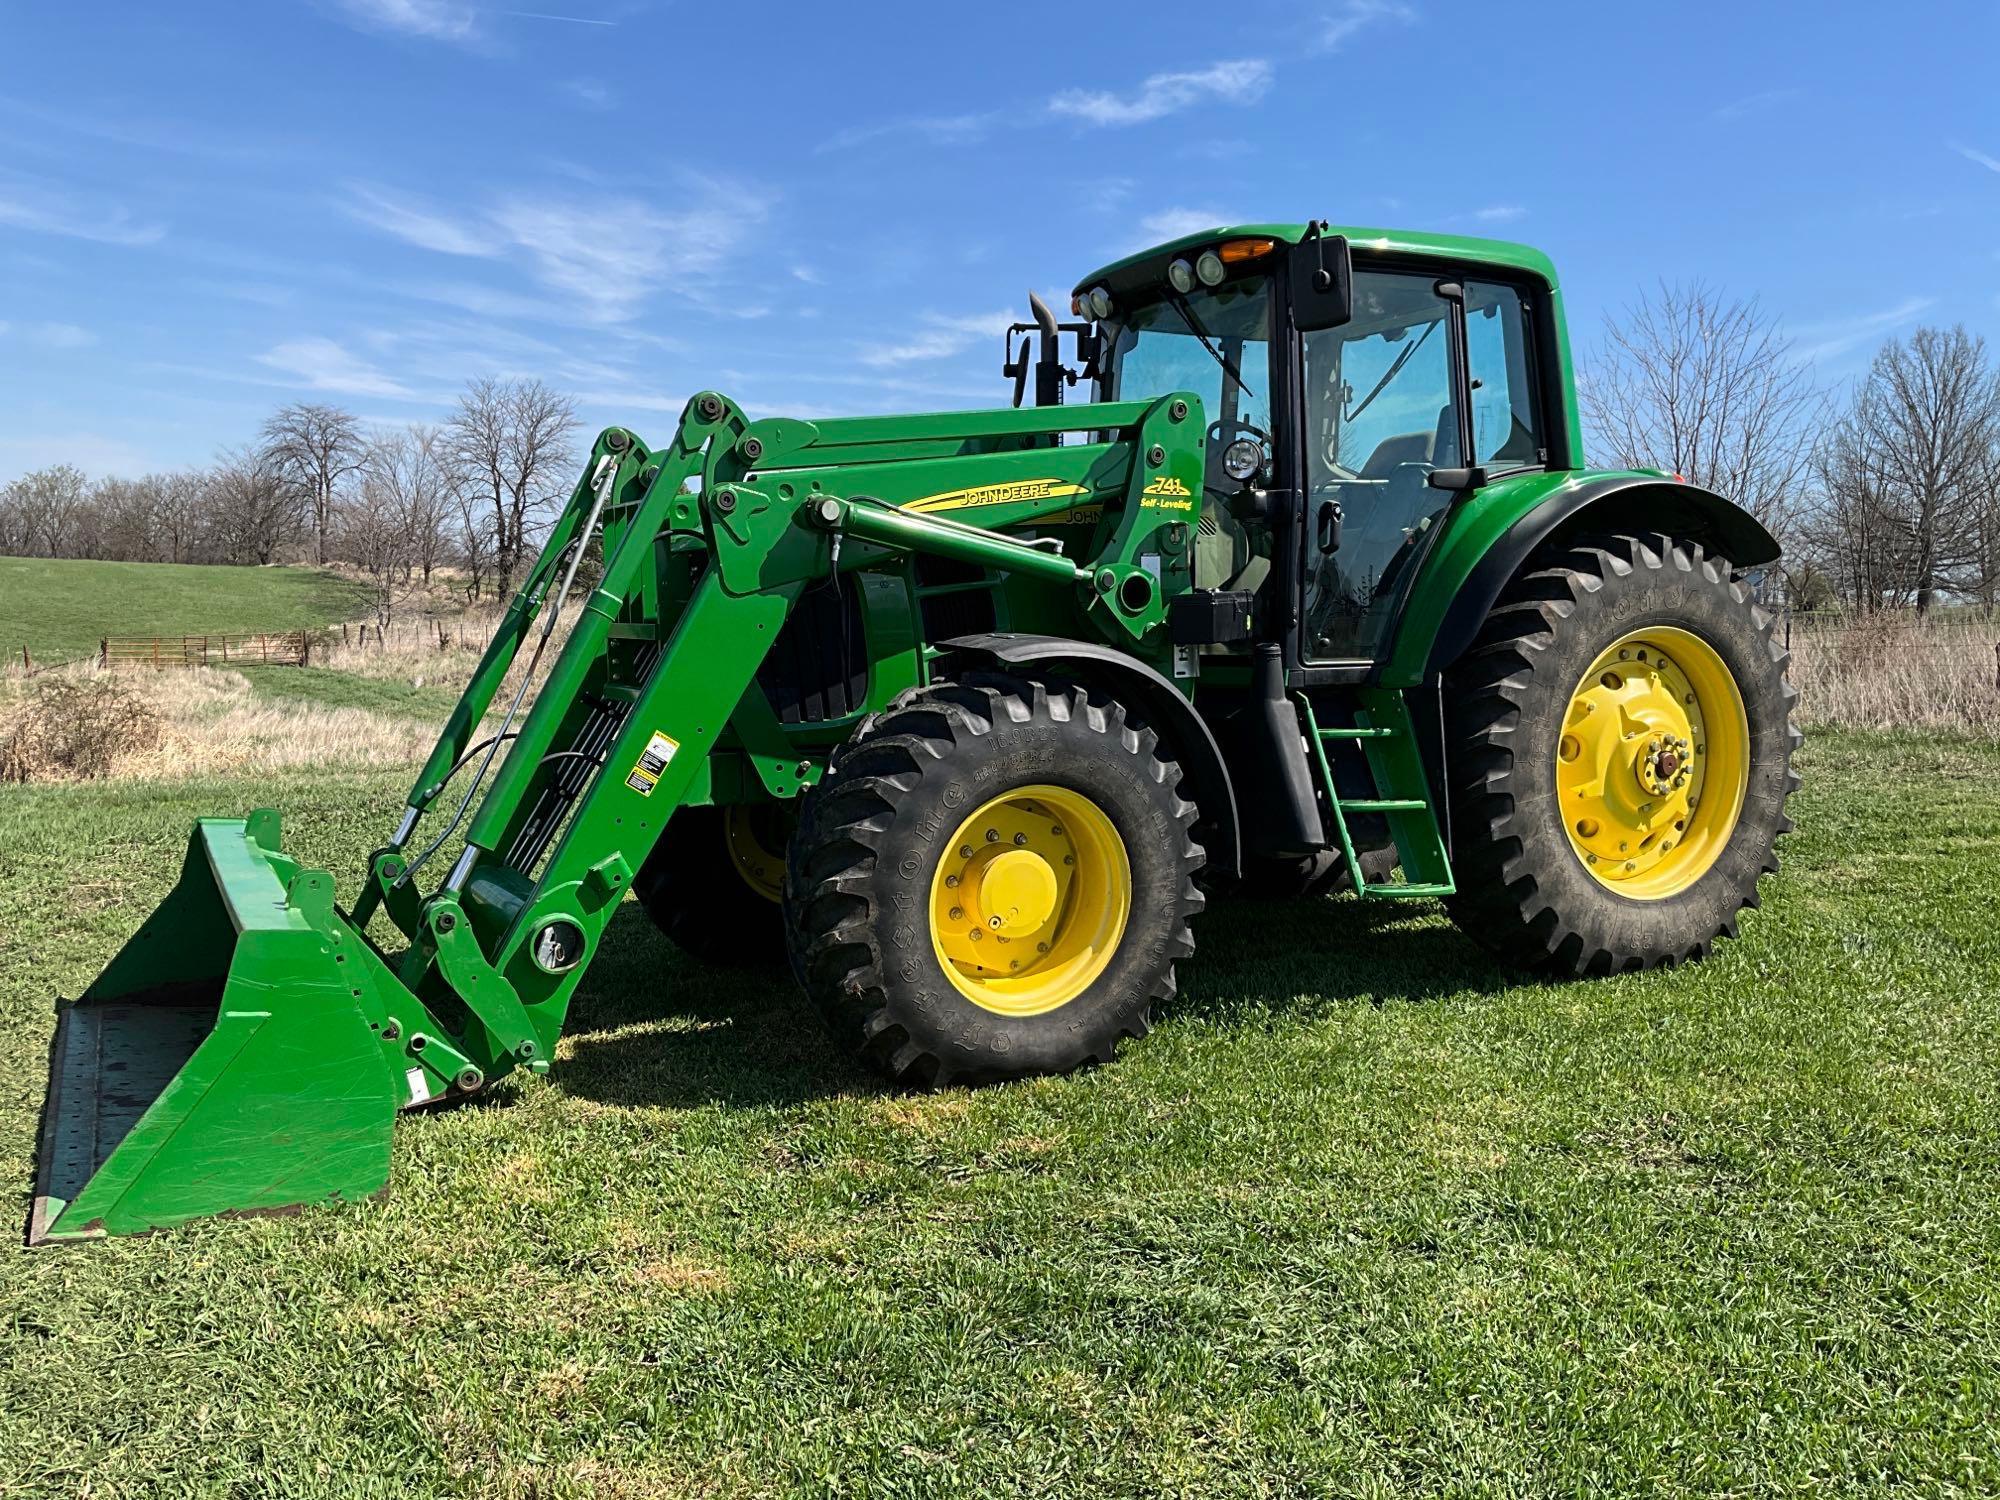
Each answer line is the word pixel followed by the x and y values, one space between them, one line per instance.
pixel 1430 373
pixel 1384 409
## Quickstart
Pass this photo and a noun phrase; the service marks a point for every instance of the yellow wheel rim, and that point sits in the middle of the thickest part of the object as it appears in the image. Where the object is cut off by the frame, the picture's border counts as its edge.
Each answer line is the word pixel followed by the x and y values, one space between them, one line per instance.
pixel 756 850
pixel 1029 900
pixel 1653 763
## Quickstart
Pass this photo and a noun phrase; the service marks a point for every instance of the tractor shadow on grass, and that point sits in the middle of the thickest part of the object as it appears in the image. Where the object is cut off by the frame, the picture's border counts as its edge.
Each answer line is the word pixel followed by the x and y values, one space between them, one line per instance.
pixel 650 1026
pixel 1254 957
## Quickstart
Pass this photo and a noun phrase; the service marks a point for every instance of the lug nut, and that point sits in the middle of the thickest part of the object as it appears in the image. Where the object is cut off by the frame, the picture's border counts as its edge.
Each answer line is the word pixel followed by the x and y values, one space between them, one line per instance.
pixel 950 880
pixel 1020 839
pixel 957 914
pixel 992 835
pixel 965 851
pixel 975 934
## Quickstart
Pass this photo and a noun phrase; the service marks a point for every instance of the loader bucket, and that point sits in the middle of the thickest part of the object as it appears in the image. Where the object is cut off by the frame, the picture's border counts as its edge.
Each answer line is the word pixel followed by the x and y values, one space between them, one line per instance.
pixel 223 1062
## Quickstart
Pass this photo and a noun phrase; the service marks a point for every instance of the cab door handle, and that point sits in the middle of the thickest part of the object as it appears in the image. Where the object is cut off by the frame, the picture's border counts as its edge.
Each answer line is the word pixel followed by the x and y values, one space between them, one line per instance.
pixel 1329 525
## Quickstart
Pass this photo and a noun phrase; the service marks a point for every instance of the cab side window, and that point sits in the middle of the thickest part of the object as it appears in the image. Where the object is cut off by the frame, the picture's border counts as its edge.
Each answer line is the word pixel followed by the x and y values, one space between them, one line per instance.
pixel 1507 429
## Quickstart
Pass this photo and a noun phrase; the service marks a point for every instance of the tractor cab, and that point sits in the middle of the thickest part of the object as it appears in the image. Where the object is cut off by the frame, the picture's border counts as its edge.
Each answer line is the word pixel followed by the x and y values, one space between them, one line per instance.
pixel 1354 385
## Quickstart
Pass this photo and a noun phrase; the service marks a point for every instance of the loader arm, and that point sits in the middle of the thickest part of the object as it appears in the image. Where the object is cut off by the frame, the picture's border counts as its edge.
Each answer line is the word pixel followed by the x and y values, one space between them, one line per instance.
pixel 278 1039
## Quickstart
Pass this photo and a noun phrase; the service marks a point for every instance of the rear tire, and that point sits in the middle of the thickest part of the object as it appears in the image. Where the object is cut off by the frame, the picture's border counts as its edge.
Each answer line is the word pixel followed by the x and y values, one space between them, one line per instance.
pixel 1570 677
pixel 1047 776
pixel 717 903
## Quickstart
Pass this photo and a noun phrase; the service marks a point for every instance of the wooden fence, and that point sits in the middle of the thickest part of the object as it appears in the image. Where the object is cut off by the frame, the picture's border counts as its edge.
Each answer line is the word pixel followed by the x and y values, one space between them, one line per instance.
pixel 285 648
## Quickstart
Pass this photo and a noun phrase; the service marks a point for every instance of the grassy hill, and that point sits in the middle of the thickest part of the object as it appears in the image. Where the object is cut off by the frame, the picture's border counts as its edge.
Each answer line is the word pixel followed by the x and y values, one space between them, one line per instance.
pixel 62 608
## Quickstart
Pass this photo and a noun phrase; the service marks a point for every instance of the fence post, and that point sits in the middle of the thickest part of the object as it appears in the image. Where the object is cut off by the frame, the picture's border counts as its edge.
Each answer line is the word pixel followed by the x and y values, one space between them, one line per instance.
pixel 27 665
pixel 104 651
pixel 1996 665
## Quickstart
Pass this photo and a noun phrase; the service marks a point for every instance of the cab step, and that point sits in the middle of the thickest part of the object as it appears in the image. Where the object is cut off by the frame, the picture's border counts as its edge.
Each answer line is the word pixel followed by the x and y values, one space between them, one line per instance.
pixel 1388 742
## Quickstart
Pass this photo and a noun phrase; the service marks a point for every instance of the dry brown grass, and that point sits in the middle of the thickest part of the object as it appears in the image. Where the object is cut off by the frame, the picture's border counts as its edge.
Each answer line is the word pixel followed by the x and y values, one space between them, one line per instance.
pixel 1896 673
pixel 75 726
pixel 81 721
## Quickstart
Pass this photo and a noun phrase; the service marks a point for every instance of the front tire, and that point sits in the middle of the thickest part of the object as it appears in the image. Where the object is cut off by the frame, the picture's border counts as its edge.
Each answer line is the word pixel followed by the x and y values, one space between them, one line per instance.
pixel 713 881
pixel 1621 740
pixel 994 879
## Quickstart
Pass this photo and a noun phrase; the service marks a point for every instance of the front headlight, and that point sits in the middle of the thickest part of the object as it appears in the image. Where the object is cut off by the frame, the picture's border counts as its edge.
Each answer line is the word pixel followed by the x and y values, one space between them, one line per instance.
pixel 1242 459
pixel 1180 276
pixel 1208 266
pixel 1100 303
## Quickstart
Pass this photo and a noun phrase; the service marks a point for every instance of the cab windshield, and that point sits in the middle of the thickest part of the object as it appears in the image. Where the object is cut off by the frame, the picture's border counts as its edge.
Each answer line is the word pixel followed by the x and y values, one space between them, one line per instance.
pixel 1154 350
pixel 1184 344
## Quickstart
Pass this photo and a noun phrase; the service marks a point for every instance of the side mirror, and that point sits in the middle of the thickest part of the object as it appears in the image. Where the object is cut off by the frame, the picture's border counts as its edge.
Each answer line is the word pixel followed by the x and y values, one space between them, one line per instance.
pixel 1458 479
pixel 1322 280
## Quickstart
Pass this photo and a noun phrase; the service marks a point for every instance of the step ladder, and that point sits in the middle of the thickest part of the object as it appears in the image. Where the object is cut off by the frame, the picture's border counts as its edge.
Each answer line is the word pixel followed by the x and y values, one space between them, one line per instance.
pixel 1383 729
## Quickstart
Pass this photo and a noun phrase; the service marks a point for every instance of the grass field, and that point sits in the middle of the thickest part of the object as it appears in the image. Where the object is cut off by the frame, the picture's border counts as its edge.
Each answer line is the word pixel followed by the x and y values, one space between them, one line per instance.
pixel 63 608
pixel 1364 1215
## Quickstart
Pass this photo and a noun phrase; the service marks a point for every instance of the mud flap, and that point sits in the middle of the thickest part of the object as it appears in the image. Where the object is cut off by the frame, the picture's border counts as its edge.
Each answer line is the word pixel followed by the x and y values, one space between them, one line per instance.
pixel 224 1062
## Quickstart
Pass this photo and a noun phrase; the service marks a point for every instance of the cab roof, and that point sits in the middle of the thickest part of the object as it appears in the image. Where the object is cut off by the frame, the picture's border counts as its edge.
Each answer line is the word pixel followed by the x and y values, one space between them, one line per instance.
pixel 1502 253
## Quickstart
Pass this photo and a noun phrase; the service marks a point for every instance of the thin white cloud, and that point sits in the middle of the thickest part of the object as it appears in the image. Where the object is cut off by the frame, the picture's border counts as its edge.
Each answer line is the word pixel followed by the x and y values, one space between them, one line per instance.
pixel 1173 223
pixel 1500 213
pixel 603 256
pixel 536 15
pixel 1751 104
pixel 610 254
pixel 934 130
pixel 1242 81
pixel 26 207
pixel 1357 16
pixel 937 337
pixel 591 93
pixel 1824 340
pixel 1971 154
pixel 58 335
pixel 438 20
pixel 320 364
pixel 420 226
pixel 808 275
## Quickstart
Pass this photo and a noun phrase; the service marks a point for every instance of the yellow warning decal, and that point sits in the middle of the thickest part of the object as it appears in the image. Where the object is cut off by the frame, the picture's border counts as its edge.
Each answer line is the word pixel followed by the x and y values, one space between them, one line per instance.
pixel 652 763
pixel 997 494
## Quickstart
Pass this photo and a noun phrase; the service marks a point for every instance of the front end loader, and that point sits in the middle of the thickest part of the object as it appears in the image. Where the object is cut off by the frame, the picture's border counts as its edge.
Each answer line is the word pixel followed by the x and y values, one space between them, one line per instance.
pixel 966 715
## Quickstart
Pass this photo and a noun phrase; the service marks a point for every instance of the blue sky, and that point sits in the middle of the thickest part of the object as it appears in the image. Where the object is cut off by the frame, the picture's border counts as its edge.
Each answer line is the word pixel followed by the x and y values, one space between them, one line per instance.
pixel 208 210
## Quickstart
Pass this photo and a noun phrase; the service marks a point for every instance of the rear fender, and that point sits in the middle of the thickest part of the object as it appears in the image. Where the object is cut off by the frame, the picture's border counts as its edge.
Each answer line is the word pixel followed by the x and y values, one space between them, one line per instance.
pixel 1489 536
pixel 1183 731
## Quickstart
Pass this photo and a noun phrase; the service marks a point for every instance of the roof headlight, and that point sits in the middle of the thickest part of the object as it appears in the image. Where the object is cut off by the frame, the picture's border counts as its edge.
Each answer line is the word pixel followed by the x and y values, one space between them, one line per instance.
pixel 1208 266
pixel 1100 303
pixel 1180 276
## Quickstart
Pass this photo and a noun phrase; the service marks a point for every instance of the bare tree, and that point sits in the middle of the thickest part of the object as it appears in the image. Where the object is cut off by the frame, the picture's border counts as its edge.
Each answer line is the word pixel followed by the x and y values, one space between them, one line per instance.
pixel 510 444
pixel 47 504
pixel 253 508
pixel 315 447
pixel 179 513
pixel 1711 390
pixel 1908 477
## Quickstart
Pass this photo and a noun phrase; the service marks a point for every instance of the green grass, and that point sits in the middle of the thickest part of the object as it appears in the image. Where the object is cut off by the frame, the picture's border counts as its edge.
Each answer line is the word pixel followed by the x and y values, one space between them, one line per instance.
pixel 63 608
pixel 1364 1215
pixel 321 686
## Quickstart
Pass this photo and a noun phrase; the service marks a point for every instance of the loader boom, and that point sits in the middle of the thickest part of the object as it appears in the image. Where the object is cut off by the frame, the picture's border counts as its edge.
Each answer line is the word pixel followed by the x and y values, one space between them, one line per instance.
pixel 708 543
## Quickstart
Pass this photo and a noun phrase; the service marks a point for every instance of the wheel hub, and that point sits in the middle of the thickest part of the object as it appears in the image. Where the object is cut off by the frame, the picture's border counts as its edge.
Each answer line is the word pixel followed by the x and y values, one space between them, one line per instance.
pixel 1029 899
pixel 1637 756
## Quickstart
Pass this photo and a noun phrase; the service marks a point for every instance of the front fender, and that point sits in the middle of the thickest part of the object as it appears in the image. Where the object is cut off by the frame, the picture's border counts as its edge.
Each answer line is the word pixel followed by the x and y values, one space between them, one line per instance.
pixel 1488 536
pixel 1205 775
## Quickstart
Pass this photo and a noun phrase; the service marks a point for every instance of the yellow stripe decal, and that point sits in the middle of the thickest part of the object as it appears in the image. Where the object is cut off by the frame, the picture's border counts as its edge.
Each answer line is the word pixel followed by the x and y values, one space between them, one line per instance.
pixel 997 494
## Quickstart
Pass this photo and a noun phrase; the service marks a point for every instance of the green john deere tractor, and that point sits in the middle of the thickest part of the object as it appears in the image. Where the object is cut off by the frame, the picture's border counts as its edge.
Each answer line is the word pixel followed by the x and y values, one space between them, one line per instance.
pixel 965 712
